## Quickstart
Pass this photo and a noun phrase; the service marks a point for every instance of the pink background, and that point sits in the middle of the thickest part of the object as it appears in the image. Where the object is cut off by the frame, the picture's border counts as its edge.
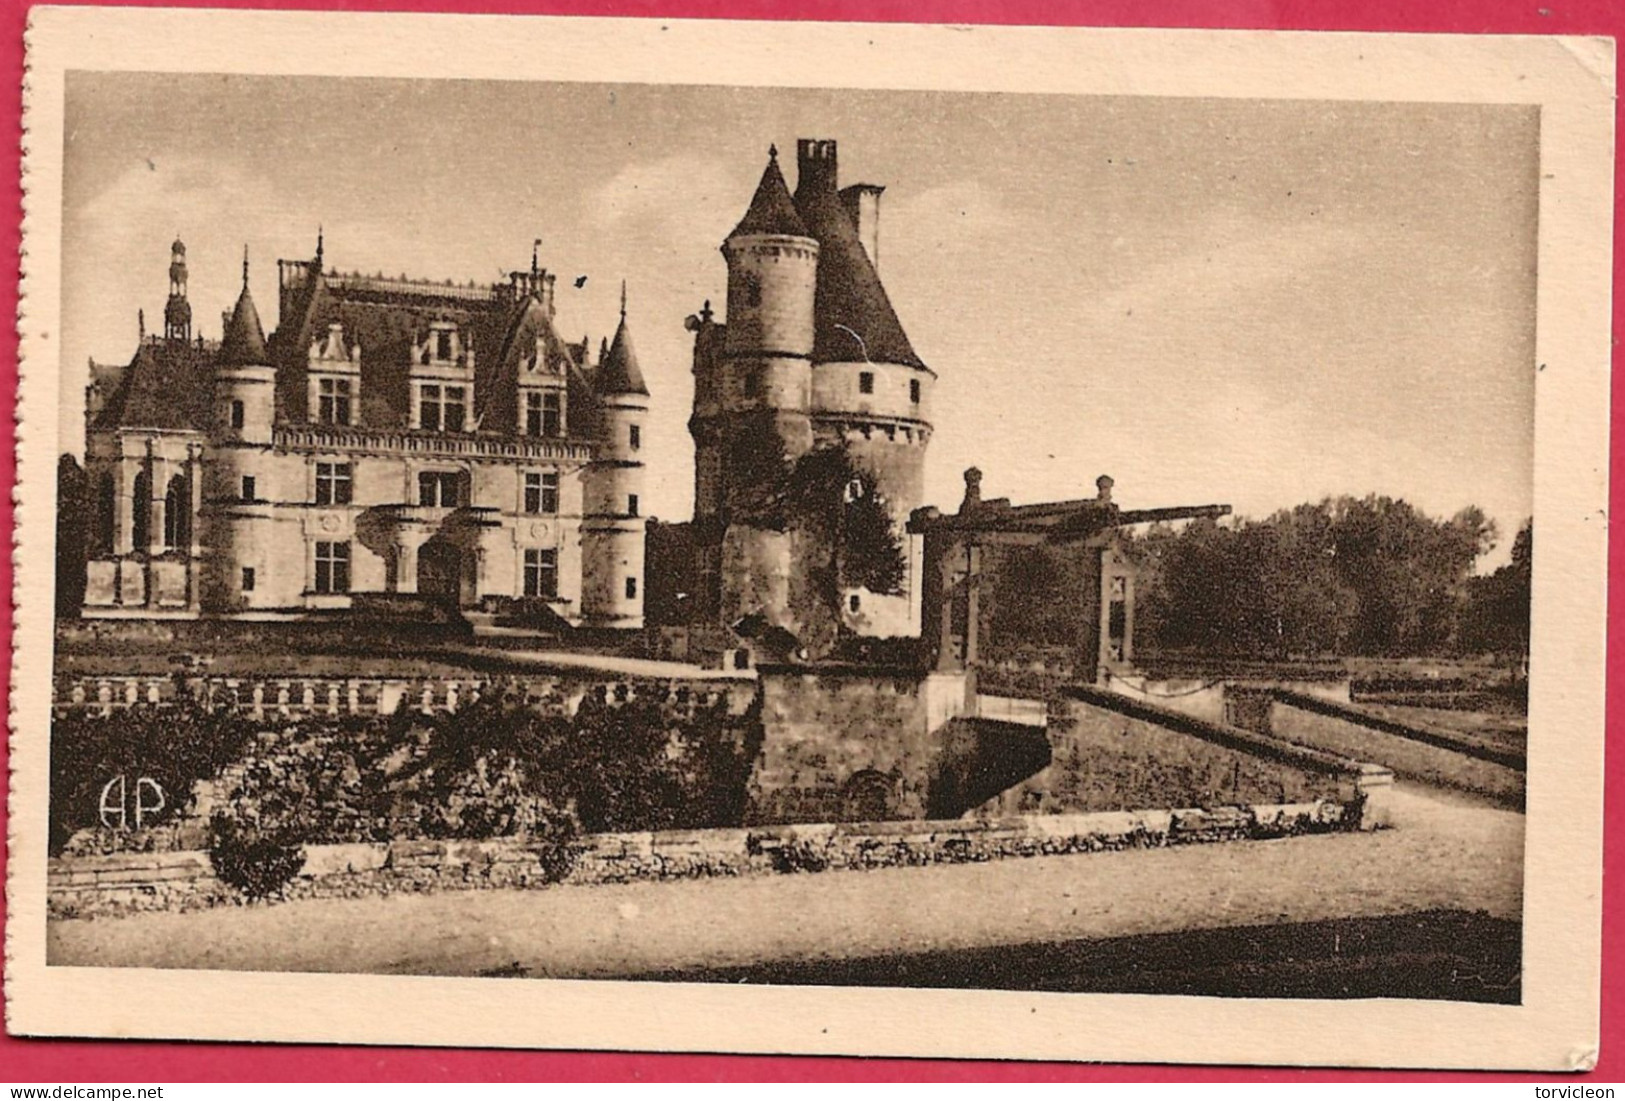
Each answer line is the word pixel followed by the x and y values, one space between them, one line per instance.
pixel 24 1061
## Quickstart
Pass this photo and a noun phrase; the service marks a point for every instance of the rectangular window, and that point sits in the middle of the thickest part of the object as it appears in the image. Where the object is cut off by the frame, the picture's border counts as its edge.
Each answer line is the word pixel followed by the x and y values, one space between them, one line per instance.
pixel 333 482
pixel 866 382
pixel 542 573
pixel 632 504
pixel 332 567
pixel 236 414
pixel 914 390
pixel 454 409
pixel 636 437
pixel 552 414
pixel 248 488
pixel 440 489
pixel 333 401
pixel 631 588
pixel 429 408
pixel 442 345
pixel 533 413
pixel 248 579
pixel 542 492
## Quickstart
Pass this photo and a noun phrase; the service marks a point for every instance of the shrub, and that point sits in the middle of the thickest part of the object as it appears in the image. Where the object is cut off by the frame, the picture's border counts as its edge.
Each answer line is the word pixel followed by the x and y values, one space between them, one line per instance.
pixel 258 863
pixel 554 841
pixel 176 744
pixel 800 856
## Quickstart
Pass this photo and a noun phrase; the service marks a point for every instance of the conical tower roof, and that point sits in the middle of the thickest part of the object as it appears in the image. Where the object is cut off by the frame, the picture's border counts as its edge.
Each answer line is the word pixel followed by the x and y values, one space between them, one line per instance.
pixel 772 211
pixel 619 373
pixel 855 321
pixel 243 344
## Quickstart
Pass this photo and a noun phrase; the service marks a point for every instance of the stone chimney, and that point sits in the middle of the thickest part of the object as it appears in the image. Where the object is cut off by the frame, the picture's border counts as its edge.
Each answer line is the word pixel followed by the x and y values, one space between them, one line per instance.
pixel 862 202
pixel 815 165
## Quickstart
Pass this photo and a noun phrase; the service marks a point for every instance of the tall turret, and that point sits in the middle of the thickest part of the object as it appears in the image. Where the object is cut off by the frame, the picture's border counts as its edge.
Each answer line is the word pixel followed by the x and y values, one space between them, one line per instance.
pixel 238 478
pixel 752 396
pixel 612 527
pixel 811 356
pixel 764 376
pixel 244 381
pixel 177 311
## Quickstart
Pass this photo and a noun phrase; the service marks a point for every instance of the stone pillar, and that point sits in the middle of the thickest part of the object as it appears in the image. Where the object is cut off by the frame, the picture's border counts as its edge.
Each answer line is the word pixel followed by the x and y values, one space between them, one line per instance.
pixel 194 502
pixel 1128 619
pixel 947 660
pixel 406 564
pixel 158 486
pixel 973 598
pixel 124 506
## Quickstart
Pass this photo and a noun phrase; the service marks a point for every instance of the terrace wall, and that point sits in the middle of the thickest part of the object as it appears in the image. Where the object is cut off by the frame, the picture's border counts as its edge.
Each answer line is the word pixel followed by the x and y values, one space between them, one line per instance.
pixel 110 886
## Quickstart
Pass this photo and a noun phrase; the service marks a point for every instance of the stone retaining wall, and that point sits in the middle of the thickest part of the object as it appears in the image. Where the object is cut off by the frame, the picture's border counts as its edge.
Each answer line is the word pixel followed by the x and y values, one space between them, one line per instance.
pixel 1430 757
pixel 108 886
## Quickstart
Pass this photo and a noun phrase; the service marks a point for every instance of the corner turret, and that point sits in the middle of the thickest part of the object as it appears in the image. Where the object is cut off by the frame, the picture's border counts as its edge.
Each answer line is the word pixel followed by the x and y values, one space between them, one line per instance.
pixel 612 526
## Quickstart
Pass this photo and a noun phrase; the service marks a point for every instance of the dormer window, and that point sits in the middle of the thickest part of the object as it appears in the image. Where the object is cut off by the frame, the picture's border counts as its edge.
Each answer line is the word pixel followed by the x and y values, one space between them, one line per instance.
pixel 442 408
pixel 542 413
pixel 442 346
pixel 334 403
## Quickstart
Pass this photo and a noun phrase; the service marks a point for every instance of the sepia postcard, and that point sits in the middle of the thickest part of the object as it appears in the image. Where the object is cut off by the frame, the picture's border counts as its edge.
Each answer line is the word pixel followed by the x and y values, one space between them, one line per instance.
pixel 813 538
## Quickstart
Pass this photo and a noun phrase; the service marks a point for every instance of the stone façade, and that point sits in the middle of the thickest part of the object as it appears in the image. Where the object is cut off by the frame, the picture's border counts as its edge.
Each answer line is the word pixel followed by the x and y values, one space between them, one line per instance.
pixel 399 440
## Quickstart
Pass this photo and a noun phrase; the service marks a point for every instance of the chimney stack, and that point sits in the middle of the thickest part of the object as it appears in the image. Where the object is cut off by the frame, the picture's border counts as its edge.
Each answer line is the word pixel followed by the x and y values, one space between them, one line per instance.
pixel 815 165
pixel 862 202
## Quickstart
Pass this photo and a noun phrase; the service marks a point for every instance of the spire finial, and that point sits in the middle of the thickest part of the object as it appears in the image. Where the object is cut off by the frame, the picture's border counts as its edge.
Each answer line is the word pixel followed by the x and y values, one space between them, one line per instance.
pixel 772 152
pixel 141 323
pixel 535 257
pixel 623 299
pixel 245 265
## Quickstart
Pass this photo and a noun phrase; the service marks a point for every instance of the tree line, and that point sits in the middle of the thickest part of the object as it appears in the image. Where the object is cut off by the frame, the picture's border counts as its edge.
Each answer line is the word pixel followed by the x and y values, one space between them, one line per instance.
pixel 1346 576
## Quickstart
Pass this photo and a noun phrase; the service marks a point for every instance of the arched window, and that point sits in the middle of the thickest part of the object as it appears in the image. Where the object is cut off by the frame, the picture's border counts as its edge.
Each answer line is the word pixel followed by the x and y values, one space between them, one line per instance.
pixel 141 513
pixel 106 514
pixel 177 514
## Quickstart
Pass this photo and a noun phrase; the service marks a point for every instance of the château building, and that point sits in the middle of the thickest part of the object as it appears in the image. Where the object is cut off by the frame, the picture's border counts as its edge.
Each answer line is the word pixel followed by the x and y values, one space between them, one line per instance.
pixel 393 440
pixel 811 355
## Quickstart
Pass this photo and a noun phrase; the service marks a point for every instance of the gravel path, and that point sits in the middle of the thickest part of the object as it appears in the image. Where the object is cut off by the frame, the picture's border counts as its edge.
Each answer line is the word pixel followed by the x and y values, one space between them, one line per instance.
pixel 1444 854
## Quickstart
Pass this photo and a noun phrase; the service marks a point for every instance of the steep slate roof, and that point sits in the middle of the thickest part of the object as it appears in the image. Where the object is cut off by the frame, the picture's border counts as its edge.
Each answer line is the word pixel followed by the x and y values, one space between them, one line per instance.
pixel 619 372
pixel 244 341
pixel 527 322
pixel 386 316
pixel 855 321
pixel 771 211
pixel 166 386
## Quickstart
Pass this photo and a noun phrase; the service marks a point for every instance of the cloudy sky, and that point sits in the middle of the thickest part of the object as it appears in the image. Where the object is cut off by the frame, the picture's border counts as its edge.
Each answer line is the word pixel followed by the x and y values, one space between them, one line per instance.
pixel 1258 303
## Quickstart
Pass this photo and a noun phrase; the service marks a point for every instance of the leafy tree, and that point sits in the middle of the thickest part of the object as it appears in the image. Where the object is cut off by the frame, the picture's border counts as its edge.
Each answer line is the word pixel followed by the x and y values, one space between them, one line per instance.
pixel 1495 614
pixel 75 512
pixel 1370 575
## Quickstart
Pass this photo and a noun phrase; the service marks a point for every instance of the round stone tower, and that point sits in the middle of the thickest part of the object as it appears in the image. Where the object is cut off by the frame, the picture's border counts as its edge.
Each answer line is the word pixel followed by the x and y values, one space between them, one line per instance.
pixel 612 526
pixel 753 389
pixel 239 476
pixel 765 375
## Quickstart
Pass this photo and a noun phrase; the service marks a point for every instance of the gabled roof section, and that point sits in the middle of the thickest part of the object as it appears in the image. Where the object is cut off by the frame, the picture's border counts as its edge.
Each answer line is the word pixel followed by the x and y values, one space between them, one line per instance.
pixel 167 386
pixel 619 373
pixel 772 211
pixel 528 325
pixel 854 318
pixel 243 344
